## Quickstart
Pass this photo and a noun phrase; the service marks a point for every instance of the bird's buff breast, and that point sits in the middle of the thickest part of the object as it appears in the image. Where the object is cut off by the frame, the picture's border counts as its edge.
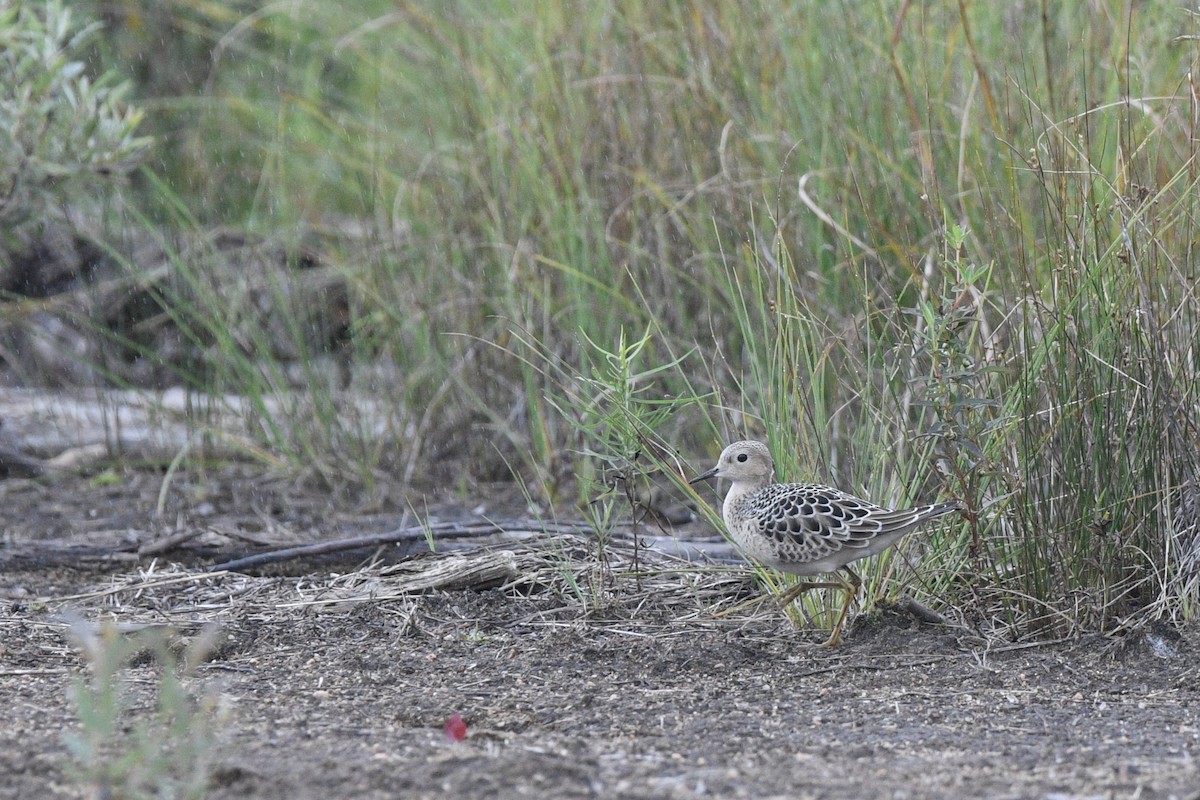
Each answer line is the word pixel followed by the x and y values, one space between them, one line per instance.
pixel 797 557
pixel 743 528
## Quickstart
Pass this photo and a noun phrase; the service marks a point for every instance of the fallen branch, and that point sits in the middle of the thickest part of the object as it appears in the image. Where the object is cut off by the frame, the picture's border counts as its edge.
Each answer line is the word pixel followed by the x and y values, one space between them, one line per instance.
pixel 448 531
pixel 452 571
pixel 922 612
pixel 411 541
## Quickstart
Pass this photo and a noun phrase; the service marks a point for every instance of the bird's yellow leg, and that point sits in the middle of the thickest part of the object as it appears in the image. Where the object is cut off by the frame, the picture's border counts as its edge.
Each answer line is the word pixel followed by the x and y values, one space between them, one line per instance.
pixel 783 599
pixel 753 601
pixel 850 588
pixel 800 588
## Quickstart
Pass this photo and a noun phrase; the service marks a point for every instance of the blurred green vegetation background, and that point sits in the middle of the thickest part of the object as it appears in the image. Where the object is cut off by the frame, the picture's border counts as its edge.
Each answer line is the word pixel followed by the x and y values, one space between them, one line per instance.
pixel 923 249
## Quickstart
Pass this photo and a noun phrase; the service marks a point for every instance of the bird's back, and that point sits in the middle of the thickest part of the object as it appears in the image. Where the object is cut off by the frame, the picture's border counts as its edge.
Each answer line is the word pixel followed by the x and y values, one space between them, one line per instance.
pixel 808 529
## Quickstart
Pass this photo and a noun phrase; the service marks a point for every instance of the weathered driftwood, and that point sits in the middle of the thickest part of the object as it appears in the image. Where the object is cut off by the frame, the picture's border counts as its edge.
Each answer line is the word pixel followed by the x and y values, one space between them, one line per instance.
pixel 449 571
pixel 443 537
pixel 474 535
pixel 73 428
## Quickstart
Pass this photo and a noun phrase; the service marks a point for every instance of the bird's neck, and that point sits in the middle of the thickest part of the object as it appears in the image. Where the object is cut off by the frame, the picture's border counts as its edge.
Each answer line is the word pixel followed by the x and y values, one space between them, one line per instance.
pixel 739 491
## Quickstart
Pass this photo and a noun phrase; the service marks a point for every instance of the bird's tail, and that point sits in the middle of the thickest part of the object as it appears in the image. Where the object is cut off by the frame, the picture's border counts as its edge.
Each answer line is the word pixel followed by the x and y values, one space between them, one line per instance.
pixel 936 510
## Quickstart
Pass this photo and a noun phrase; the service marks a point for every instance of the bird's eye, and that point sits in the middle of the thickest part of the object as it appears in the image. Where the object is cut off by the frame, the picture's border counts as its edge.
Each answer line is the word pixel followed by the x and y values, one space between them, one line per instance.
pixel 742 458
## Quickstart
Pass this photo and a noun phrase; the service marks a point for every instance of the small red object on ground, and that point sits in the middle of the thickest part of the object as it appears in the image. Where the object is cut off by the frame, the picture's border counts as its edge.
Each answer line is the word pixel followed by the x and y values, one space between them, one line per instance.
pixel 456 729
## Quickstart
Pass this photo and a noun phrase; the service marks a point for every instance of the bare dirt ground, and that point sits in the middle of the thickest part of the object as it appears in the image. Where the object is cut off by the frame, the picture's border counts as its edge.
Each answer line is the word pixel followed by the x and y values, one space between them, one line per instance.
pixel 337 682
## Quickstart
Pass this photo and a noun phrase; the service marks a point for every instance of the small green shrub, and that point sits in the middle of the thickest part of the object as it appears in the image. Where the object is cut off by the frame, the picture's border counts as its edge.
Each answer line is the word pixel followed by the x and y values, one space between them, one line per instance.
pixel 62 134
pixel 123 751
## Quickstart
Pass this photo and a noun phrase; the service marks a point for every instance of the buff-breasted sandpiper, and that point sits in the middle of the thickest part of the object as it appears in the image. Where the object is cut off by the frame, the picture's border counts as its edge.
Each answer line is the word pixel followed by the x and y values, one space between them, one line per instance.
pixel 807 529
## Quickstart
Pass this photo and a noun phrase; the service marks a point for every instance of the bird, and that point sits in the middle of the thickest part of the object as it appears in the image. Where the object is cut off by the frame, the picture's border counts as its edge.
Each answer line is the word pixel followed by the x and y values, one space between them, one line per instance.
pixel 807 529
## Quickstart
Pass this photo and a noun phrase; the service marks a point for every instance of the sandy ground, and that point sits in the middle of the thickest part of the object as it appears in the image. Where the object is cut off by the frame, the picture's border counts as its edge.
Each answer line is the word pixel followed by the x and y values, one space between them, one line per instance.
pixel 574 679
